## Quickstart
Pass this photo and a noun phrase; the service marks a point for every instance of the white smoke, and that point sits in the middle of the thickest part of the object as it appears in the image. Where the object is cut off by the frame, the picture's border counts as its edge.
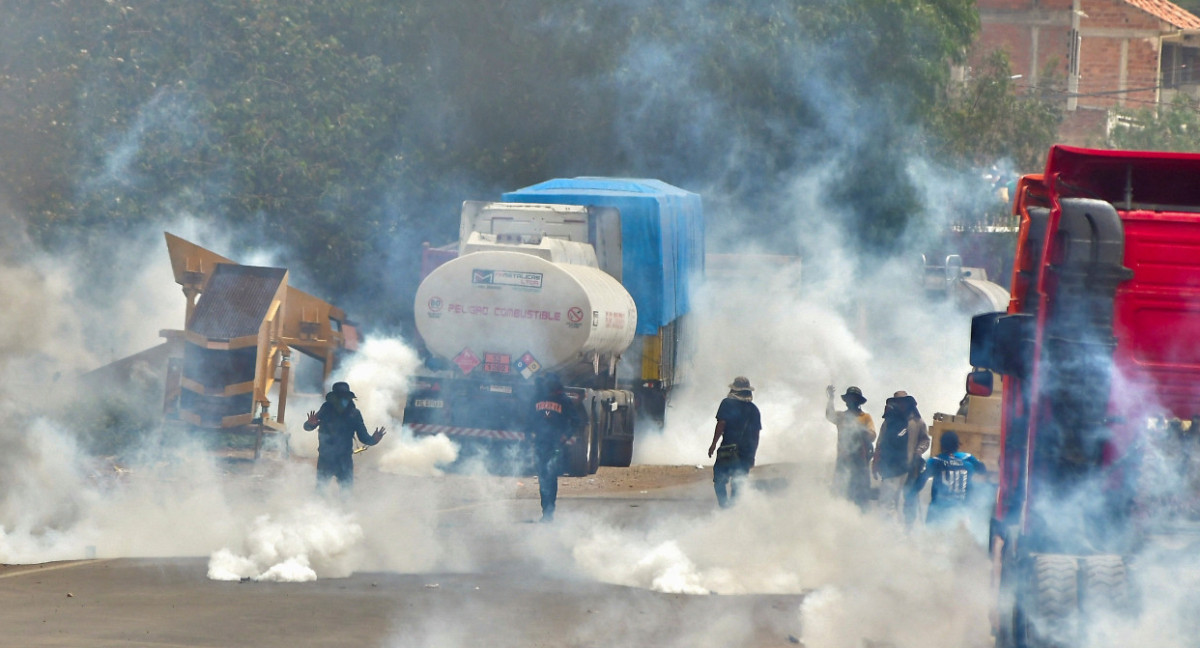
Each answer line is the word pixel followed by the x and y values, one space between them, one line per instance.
pixel 379 374
pixel 779 332
pixel 313 541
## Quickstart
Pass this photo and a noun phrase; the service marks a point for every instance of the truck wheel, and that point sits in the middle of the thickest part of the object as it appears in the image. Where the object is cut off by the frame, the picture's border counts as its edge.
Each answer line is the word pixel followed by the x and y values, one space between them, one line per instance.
pixel 1104 586
pixel 1048 612
pixel 618 453
pixel 594 449
pixel 579 454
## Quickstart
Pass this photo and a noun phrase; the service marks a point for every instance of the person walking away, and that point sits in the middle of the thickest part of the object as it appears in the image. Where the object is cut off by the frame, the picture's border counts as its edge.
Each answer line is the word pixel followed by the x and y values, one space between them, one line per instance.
pixel 855 443
pixel 954 476
pixel 738 425
pixel 551 423
pixel 903 439
pixel 337 422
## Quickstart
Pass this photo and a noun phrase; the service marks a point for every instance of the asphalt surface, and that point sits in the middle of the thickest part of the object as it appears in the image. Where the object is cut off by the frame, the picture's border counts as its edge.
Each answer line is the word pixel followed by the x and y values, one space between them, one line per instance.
pixel 130 602
pixel 172 602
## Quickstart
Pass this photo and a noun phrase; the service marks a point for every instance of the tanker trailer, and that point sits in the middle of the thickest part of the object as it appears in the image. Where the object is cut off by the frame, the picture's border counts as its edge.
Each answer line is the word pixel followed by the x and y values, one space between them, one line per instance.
pixel 590 282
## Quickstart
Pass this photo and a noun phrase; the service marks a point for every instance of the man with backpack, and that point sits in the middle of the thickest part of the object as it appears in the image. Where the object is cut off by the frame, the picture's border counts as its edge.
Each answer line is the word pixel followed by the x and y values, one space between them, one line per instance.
pixel 738 425
pixel 903 440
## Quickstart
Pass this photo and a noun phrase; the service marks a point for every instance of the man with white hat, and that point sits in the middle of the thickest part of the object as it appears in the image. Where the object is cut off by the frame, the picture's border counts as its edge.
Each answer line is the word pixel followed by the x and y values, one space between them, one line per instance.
pixel 738 425
pixel 855 439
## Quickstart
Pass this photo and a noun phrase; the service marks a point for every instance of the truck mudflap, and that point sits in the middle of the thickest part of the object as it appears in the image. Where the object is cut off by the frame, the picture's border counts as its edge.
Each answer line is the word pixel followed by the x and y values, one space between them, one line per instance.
pixel 427 429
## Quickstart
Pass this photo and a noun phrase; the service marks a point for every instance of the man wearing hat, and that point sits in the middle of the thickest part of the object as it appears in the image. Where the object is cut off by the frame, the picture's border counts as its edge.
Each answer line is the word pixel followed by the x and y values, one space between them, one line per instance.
pixel 339 421
pixel 855 438
pixel 903 439
pixel 738 425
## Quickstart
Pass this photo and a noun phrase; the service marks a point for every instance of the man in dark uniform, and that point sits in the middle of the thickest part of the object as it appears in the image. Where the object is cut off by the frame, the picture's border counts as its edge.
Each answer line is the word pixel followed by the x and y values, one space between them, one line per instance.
pixel 553 419
pixel 738 425
pixel 339 421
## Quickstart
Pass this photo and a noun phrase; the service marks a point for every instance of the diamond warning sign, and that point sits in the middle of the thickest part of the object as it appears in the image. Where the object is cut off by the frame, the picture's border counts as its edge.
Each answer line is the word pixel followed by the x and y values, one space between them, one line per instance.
pixel 466 360
pixel 527 365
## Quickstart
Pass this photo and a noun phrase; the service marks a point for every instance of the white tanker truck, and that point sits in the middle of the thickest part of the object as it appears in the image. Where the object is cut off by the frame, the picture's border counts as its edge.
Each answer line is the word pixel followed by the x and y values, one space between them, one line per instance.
pixel 585 277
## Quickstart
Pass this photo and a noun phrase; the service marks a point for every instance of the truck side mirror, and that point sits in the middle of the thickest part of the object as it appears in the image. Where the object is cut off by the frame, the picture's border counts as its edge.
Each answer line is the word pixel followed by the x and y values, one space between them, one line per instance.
pixel 1002 342
pixel 979 383
pixel 983 342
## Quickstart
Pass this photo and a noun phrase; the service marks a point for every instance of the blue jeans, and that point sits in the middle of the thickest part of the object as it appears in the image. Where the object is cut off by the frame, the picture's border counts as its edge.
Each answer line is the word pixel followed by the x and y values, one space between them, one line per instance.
pixel 549 466
pixel 728 475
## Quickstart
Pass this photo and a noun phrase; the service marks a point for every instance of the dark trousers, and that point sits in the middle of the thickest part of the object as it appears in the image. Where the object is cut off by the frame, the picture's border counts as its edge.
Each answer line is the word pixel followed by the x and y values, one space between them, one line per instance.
pixel 549 466
pixel 852 479
pixel 728 475
pixel 339 468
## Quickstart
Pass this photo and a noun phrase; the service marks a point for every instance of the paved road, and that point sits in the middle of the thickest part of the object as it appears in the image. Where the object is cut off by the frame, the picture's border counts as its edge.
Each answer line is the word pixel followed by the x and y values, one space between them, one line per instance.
pixel 129 602
pixel 503 602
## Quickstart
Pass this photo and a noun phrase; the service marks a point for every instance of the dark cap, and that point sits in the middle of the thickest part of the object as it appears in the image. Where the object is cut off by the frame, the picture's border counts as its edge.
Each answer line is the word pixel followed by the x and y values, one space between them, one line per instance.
pixel 341 388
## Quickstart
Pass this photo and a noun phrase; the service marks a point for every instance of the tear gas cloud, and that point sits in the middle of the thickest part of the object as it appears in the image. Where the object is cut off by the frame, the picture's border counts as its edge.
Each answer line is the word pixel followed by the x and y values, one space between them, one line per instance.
pixel 792 329
pixel 791 337
pixel 268 525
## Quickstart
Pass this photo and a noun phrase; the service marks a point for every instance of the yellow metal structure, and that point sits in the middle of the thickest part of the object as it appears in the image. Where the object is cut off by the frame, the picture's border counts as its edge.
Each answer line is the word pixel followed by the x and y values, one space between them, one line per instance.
pixel 977 424
pixel 235 348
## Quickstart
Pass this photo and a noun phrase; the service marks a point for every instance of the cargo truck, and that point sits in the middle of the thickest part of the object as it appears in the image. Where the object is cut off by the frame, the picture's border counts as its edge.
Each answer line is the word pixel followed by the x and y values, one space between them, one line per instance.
pixel 1099 353
pixel 585 277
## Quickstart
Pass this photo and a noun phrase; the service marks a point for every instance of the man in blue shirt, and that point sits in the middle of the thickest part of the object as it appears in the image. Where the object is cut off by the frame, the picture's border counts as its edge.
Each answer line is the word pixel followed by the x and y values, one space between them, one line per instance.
pixel 953 474
pixel 738 425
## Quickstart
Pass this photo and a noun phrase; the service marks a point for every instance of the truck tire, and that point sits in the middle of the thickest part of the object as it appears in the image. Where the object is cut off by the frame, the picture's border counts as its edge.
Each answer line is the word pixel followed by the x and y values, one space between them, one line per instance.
pixel 1103 586
pixel 579 454
pixel 618 453
pixel 1048 611
pixel 594 451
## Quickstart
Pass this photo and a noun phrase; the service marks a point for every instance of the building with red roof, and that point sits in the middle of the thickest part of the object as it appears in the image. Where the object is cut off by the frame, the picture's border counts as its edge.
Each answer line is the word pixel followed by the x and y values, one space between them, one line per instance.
pixel 1105 55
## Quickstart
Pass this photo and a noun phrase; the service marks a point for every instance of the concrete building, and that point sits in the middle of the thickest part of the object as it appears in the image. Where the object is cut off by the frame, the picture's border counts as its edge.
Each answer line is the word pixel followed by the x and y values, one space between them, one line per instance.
pixel 1106 54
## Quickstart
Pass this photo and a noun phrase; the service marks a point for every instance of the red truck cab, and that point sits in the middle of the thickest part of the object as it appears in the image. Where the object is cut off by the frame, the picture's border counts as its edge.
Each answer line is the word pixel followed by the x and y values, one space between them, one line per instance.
pixel 1099 351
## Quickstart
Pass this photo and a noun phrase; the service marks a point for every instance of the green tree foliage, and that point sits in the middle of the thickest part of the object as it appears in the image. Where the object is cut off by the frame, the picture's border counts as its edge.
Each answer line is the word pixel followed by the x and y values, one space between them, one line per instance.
pixel 1174 127
pixel 986 119
pixel 347 132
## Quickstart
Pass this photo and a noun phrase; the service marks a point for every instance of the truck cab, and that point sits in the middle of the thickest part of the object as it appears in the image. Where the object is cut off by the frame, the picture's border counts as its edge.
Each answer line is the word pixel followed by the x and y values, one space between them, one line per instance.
pixel 1099 353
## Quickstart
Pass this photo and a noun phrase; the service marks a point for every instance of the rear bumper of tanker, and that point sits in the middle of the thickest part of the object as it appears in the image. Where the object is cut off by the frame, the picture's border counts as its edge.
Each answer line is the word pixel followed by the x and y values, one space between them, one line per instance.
pixel 483 419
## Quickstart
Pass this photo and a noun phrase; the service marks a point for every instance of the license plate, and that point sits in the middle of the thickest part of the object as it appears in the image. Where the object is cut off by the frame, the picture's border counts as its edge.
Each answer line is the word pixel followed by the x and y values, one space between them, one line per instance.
pixel 431 403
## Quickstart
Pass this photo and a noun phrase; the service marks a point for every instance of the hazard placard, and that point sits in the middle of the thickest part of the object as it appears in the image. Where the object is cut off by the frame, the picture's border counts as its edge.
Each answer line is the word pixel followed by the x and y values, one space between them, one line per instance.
pixel 497 362
pixel 527 365
pixel 466 360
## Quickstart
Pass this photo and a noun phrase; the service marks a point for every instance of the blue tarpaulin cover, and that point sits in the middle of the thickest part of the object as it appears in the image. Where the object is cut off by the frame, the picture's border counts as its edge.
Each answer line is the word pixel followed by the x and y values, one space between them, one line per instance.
pixel 662 237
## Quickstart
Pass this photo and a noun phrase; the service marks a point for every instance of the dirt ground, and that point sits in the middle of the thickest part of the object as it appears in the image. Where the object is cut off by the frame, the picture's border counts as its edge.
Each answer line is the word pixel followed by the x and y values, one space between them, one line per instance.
pixel 610 481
